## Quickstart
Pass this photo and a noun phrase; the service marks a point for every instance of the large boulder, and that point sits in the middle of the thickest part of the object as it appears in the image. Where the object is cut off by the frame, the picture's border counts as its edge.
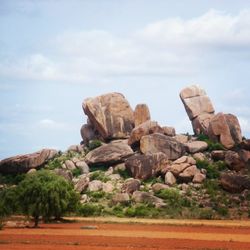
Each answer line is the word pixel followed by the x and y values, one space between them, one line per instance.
pixel 110 114
pixel 154 143
pixel 23 163
pixel 234 161
pixel 196 146
pixel 145 166
pixel 234 183
pixel 109 154
pixel 225 128
pixel 141 114
pixel 88 133
pixel 146 128
pixel 198 107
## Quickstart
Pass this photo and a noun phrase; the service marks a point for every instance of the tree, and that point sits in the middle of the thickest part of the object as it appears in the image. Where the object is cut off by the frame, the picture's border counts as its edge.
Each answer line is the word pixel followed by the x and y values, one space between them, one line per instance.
pixel 8 203
pixel 45 194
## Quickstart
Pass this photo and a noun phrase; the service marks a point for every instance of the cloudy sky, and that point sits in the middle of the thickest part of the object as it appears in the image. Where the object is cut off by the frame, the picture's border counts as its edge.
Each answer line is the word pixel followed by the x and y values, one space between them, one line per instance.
pixel 55 53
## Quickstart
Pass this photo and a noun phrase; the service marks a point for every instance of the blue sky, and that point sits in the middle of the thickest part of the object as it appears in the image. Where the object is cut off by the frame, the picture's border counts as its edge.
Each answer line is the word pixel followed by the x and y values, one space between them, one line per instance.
pixel 54 54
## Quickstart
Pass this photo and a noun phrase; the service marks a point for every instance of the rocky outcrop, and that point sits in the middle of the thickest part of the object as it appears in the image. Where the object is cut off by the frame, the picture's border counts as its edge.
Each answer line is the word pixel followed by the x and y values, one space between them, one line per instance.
pixel 82 183
pixel 234 161
pixel 146 128
pixel 141 114
pixel 155 143
pixel 169 131
pixel 234 183
pixel 198 107
pixel 109 154
pixel 110 114
pixel 225 128
pixel 131 185
pixel 23 163
pixel 145 166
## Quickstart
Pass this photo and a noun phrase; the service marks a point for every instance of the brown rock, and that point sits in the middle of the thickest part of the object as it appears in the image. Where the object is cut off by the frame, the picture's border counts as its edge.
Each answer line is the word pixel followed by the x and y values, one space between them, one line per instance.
pixel 108 154
pixel 146 128
pixel 198 107
pixel 170 179
pixel 23 163
pixel 245 144
pixel 130 186
pixel 70 165
pixel 145 197
pixel 226 129
pixel 159 186
pixel 176 169
pixel 181 138
pixel 76 148
pixel 189 173
pixel 141 114
pixel 121 198
pixel 234 183
pixel 169 131
pixel 155 143
pixel 66 174
pixel 145 166
pixel 82 183
pixel 196 146
pixel 199 178
pixel 199 156
pixel 234 161
pixel 110 114
pixel 218 155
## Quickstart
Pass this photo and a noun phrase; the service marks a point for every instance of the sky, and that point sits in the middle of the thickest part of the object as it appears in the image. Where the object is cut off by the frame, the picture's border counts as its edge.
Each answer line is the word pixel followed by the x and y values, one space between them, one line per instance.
pixel 56 53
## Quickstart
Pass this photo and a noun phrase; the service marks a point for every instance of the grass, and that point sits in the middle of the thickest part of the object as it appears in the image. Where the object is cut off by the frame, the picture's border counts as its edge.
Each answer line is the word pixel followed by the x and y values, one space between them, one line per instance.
pixel 89 209
pixel 94 144
pixel 11 179
pixel 76 172
pixel 99 175
pixel 213 169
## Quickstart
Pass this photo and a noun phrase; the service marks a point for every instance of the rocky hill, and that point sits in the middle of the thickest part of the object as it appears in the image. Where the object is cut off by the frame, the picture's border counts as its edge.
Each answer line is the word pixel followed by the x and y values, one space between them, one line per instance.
pixel 129 165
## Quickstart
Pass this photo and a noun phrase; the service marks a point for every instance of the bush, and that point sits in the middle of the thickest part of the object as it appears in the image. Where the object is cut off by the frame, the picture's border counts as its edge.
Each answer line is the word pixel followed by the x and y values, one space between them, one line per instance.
pixel 89 209
pixel 94 144
pixel 76 172
pixel 46 194
pixel 212 168
pixel 142 210
pixel 10 179
pixel 211 145
pixel 99 175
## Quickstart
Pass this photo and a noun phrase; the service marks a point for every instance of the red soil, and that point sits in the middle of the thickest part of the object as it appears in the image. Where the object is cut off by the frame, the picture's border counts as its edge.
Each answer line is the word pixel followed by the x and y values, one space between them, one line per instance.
pixel 124 236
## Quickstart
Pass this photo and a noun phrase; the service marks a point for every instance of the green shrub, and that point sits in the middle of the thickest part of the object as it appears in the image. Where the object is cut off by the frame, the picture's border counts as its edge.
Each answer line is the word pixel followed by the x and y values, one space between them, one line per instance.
pixel 76 172
pixel 222 211
pixel 11 179
pixel 142 210
pixel 46 194
pixel 211 145
pixel 90 209
pixel 123 173
pixel 94 144
pixel 212 168
pixel 96 195
pixel 99 175
pixel 205 214
pixel 212 187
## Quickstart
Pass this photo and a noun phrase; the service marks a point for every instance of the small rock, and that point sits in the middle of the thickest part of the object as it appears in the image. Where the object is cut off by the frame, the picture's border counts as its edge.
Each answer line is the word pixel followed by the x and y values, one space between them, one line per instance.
pixel 108 187
pixel 141 114
pixel 188 174
pixel 114 177
pixel 31 171
pixel 82 183
pixel 70 165
pixel 83 166
pixel 218 155
pixel 95 185
pixel 120 198
pixel 234 161
pixel 170 179
pixel 131 185
pixel 66 174
pixel 109 171
pixel 159 186
pixel 169 131
pixel 176 169
pixel 199 156
pixel 84 199
pixel 199 178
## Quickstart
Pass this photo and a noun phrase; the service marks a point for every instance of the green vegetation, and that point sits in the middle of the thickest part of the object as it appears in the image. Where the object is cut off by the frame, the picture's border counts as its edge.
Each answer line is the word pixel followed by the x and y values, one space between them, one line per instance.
pixel 10 179
pixel 213 169
pixel 76 172
pixel 123 173
pixel 94 144
pixel 99 175
pixel 46 194
pixel 89 209
pixel 211 145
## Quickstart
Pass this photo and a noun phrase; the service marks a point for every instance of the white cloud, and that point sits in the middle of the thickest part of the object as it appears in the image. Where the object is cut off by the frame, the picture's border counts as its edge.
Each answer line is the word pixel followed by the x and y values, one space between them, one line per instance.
pixel 245 124
pixel 52 125
pixel 169 47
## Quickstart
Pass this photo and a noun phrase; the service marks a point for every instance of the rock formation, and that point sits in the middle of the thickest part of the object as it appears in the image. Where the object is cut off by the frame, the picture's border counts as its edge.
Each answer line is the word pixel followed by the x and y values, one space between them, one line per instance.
pixel 141 114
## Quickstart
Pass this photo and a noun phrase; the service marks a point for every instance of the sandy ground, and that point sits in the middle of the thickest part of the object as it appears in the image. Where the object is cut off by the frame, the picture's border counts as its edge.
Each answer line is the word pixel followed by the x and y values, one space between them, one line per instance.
pixel 98 234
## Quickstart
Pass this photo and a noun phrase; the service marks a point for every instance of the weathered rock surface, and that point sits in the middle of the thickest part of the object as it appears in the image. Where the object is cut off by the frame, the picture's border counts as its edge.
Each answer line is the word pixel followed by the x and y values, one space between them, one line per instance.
pixel 23 163
pixel 181 138
pixel 234 183
pixel 154 143
pixel 145 197
pixel 196 146
pixel 120 198
pixel 131 185
pixel 225 128
pixel 188 174
pixel 95 185
pixel 108 187
pixel 169 131
pixel 145 166
pixel 198 107
pixel 110 114
pixel 66 174
pixel 83 166
pixel 159 186
pixel 76 148
pixel 234 161
pixel 88 133
pixel 218 155
pixel 141 114
pixel 70 165
pixel 170 179
pixel 82 184
pixel 146 128
pixel 109 154
pixel 199 177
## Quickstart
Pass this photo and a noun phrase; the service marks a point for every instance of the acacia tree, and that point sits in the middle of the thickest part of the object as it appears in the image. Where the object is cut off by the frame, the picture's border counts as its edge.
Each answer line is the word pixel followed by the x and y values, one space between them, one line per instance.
pixel 45 194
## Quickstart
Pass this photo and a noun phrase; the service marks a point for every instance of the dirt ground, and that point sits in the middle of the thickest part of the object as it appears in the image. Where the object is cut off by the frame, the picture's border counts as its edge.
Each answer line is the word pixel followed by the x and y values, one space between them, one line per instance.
pixel 94 235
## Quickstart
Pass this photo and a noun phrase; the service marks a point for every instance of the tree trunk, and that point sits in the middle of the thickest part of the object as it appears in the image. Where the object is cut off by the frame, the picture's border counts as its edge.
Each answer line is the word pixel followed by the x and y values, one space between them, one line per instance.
pixel 36 219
